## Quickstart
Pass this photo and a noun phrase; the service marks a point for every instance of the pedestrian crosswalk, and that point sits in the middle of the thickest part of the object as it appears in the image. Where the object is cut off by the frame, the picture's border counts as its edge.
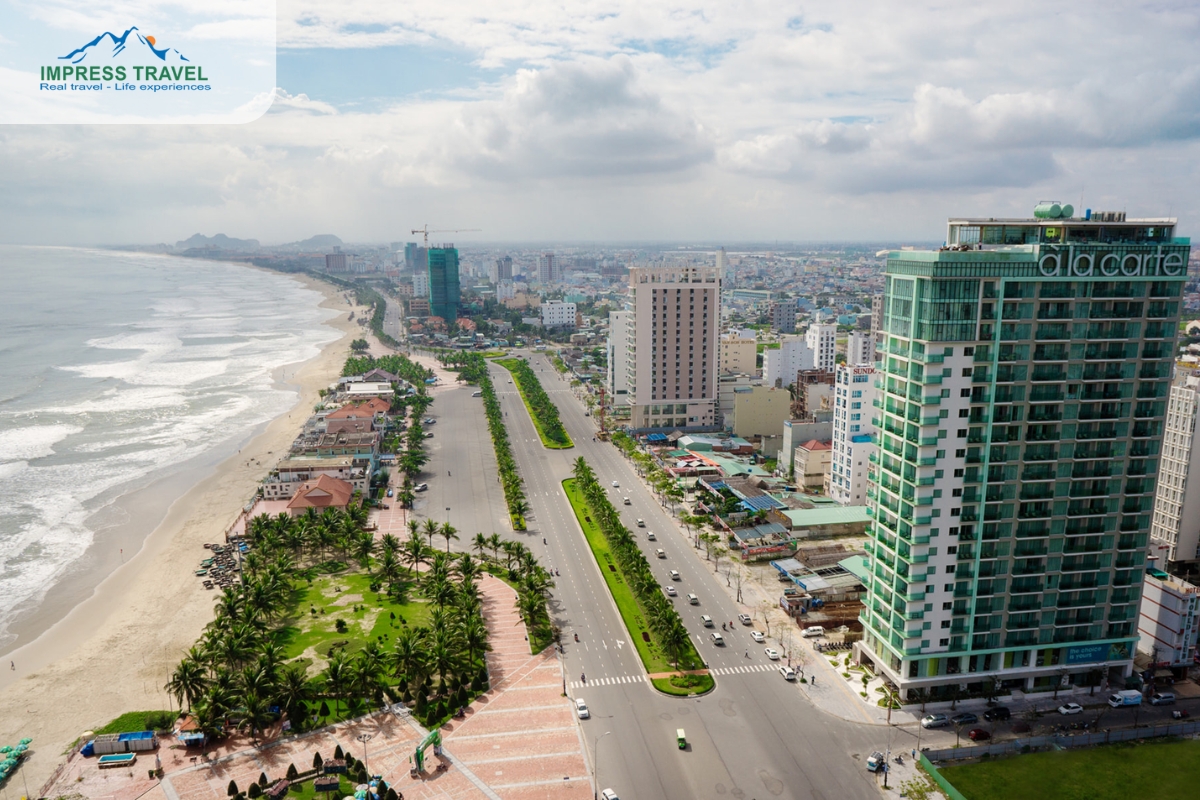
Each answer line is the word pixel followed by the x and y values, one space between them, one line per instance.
pixel 743 670
pixel 609 681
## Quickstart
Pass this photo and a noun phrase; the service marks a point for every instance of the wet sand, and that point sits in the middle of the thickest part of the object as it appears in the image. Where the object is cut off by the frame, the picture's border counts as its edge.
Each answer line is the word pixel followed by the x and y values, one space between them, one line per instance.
pixel 115 649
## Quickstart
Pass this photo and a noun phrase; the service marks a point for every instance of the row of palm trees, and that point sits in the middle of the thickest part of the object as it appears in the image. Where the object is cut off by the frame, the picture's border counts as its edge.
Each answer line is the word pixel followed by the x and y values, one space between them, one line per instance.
pixel 539 402
pixel 665 625
pixel 473 369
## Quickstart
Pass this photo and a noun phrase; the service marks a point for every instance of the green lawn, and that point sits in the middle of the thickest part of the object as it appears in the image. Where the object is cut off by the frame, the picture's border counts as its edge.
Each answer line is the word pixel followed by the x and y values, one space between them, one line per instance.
pixel 547 442
pixel 135 721
pixel 652 657
pixel 309 637
pixel 1161 769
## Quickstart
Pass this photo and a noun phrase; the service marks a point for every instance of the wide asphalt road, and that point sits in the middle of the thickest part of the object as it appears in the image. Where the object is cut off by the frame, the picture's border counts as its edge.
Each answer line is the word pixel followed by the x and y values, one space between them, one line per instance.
pixel 756 736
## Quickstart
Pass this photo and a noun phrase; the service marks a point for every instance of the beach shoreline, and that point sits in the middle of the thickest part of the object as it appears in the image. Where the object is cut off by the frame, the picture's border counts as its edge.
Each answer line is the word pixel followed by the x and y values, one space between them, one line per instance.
pixel 114 650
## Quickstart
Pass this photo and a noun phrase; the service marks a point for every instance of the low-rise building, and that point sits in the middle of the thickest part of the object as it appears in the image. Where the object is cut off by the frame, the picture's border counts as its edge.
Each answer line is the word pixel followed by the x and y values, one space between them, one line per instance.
pixel 760 411
pixel 1167 621
pixel 321 493
pixel 292 473
pixel 737 353
pixel 364 389
pixel 811 463
pixel 557 314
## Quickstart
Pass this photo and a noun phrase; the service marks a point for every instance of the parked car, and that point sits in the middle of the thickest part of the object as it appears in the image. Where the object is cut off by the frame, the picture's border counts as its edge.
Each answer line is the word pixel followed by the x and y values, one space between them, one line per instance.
pixel 429 421
pixel 1162 699
pixel 979 735
pixel 429 435
pixel 772 653
pixel 1070 708
pixel 420 487
pixel 965 718
pixel 390 492
pixel 477 394
pixel 997 714
pixel 935 721
pixel 787 672
pixel 744 619
pixel 812 632
pixel 582 709
pixel 757 636
pixel 874 761
pixel 671 591
pixel 607 794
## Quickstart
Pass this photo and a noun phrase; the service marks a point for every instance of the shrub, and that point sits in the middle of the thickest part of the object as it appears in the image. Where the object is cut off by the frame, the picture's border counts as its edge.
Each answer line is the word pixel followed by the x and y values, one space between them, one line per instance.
pixel 324 711
pixel 340 624
pixel 318 762
pixel 262 780
pixel 233 789
pixel 255 791
pixel 864 694
pixel 337 752
pixel 292 772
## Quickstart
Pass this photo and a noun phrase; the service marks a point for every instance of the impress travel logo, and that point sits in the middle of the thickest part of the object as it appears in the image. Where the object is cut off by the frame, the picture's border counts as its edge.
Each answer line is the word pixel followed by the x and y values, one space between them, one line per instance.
pixel 119 63
pixel 154 63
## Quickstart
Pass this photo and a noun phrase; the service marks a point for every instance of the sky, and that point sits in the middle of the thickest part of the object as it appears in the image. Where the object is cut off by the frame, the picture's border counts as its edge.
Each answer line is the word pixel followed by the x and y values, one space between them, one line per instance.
pixel 650 120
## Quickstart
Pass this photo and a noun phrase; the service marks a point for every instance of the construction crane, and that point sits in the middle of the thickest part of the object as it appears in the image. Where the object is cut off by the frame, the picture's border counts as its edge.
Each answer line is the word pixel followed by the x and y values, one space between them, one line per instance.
pixel 425 230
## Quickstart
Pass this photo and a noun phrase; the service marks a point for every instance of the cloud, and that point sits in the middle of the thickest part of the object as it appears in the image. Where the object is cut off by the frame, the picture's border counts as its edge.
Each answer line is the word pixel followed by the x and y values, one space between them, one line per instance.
pixel 299 102
pixel 588 118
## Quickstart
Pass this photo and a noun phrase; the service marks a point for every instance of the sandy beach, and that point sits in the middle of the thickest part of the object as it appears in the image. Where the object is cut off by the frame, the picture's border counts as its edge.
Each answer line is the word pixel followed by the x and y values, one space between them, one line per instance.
pixel 113 652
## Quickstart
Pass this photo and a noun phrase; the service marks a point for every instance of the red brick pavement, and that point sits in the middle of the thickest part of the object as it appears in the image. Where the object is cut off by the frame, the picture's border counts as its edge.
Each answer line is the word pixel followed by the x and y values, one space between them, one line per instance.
pixel 522 737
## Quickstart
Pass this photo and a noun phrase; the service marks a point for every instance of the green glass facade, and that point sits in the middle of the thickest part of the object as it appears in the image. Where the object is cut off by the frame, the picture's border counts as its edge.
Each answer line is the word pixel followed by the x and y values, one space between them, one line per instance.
pixel 444 290
pixel 1022 394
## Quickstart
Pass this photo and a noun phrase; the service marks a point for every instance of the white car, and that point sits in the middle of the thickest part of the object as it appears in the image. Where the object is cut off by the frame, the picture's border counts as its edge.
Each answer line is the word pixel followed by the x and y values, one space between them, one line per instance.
pixel 616 484
pixel 671 591
pixel 757 636
pixel 744 619
pixel 717 639
pixel 641 523
pixel 787 672
pixel 650 535
pixel 582 709
pixel 1070 708
pixel 772 653
pixel 609 794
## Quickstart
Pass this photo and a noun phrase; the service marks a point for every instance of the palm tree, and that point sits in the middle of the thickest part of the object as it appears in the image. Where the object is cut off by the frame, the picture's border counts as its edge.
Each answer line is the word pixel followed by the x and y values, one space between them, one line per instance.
pixel 480 544
pixel 188 682
pixel 413 553
pixel 430 529
pixel 519 508
pixel 336 677
pixel 494 543
pixel 448 532
pixel 256 714
pixel 408 654
pixel 413 528
pixel 293 694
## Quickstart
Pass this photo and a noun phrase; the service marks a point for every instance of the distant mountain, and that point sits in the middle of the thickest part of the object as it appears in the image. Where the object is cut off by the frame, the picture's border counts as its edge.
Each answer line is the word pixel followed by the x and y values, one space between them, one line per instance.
pixel 220 242
pixel 322 241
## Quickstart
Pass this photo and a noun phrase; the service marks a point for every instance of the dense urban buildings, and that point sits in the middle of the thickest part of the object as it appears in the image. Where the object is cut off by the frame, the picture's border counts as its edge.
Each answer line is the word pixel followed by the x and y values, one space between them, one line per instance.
pixel 1023 382
pixel 444 289
pixel 1175 529
pixel 673 356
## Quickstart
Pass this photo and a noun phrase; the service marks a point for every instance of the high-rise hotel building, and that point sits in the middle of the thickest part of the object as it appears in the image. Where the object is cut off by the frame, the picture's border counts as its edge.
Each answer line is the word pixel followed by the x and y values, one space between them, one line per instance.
pixel 672 347
pixel 1023 381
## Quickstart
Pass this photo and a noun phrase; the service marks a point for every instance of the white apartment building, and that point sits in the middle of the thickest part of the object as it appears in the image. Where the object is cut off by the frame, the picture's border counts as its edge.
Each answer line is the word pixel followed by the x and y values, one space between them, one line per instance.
pixel 722 264
pixel 420 284
pixel 505 290
pixel 291 474
pixel 620 333
pixel 860 348
pixel 1167 623
pixel 821 339
pixel 738 353
pixel 557 314
pixel 672 365
pixel 1175 526
pixel 793 354
pixel 853 389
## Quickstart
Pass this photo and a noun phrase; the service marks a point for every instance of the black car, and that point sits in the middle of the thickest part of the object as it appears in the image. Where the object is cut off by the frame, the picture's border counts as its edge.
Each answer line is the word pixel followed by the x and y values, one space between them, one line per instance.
pixel 997 713
pixel 965 718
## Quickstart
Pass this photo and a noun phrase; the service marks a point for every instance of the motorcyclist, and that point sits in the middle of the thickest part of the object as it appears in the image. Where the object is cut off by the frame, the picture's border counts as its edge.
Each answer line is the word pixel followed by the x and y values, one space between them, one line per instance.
pixel 577 637
pixel 543 540
pixel 583 677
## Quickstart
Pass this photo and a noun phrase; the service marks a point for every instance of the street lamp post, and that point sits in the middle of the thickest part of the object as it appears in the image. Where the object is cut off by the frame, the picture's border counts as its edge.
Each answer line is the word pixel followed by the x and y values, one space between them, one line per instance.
pixel 364 738
pixel 447 515
pixel 595 765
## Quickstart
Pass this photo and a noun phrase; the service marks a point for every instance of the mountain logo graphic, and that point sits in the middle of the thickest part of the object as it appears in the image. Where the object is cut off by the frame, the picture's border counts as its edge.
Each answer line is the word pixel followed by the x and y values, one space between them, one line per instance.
pixel 131 41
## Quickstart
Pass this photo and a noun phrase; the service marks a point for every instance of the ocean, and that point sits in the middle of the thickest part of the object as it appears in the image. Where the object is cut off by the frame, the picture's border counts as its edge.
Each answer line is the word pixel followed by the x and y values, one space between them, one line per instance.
pixel 120 369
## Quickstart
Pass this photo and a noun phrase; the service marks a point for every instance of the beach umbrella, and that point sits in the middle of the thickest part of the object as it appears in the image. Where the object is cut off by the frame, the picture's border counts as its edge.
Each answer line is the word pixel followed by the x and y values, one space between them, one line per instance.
pixel 21 748
pixel 26 740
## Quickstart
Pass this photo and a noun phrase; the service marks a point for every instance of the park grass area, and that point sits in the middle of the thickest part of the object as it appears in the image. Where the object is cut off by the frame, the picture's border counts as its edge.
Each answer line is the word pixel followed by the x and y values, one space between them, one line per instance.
pixel 547 442
pixel 309 638
pixel 1164 768
pixel 139 721
pixel 653 659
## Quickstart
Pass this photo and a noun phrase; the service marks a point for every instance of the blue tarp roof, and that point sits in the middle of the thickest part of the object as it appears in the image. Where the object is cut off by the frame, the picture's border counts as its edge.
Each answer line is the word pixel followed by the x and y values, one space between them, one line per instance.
pixel 656 437
pixel 761 503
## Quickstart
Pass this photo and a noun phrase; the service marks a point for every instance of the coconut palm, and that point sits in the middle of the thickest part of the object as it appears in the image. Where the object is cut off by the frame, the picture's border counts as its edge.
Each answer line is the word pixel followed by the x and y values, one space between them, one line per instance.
pixel 413 553
pixel 430 529
pixel 480 544
pixel 448 532
pixel 188 682
pixel 336 676
pixel 293 693
pixel 494 543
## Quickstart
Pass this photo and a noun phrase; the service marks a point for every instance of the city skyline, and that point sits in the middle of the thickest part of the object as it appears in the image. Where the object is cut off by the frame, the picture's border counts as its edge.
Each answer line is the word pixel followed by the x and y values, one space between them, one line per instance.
pixel 862 123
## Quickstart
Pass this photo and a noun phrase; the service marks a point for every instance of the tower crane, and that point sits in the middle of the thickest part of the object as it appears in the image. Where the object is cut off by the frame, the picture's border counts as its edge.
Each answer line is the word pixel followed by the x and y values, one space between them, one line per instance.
pixel 425 230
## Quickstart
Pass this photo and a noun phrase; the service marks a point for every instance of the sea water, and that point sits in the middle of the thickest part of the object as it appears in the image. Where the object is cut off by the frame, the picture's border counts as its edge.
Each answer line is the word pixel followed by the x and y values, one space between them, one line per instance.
pixel 117 369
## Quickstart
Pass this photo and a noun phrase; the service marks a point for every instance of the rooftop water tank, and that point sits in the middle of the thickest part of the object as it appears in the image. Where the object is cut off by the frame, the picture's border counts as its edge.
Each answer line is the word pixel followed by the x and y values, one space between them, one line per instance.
pixel 1068 211
pixel 1047 211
